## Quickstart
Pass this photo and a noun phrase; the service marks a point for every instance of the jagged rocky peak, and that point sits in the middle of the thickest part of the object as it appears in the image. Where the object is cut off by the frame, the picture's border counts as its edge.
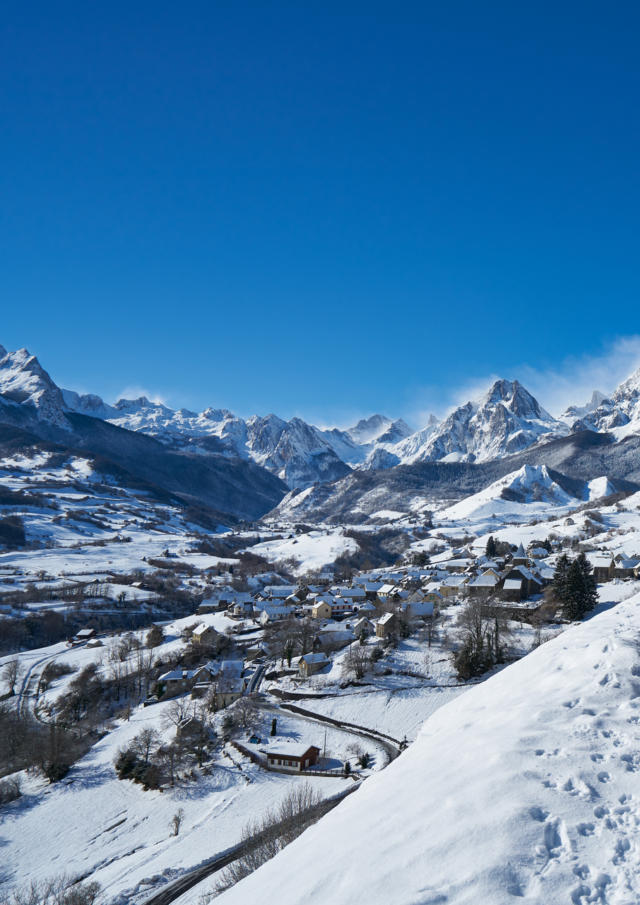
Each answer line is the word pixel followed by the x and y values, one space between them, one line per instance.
pixel 87 404
pixel 504 420
pixel 579 411
pixel 618 413
pixel 516 398
pixel 24 382
pixel 129 405
pixel 369 429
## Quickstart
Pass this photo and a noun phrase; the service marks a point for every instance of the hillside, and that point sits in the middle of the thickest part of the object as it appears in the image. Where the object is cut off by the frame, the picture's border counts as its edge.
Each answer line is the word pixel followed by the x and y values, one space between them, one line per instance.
pixel 526 787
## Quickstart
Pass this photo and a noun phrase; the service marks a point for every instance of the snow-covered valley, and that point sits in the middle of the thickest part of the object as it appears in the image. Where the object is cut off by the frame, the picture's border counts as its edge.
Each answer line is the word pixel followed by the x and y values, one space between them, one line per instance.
pixel 241 592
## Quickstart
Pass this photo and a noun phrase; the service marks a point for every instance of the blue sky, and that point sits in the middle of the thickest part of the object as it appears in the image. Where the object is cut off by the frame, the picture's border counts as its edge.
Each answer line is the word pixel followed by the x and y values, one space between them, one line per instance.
pixel 320 209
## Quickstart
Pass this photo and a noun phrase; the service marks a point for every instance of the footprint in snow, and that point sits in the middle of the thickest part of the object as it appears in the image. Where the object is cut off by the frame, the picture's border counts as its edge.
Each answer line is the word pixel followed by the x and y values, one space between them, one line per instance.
pixel 585 829
pixel 538 814
pixel 603 776
pixel 620 850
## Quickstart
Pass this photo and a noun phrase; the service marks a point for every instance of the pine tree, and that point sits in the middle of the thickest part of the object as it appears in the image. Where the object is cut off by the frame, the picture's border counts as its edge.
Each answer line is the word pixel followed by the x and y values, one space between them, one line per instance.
pixel 560 578
pixel 579 589
pixel 589 584
pixel 491 547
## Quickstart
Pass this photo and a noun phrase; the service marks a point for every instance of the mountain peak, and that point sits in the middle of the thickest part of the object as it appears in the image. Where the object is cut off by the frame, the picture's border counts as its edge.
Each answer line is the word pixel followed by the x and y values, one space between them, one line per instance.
pixel 24 382
pixel 369 429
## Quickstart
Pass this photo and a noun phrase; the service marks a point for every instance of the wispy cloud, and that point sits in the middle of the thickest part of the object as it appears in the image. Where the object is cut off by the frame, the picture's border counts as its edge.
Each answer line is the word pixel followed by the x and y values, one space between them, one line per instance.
pixel 135 392
pixel 574 380
pixel 571 382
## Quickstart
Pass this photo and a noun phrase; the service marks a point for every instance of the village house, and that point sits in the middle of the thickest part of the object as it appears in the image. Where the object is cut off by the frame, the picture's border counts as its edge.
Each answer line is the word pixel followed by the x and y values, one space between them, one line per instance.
pixel 273 613
pixel 387 592
pixel 321 609
pixel 342 607
pixel 227 690
pixel 484 585
pixel 454 586
pixel 281 591
pixel 530 584
pixel 385 626
pixel 309 664
pixel 520 558
pixel 84 635
pixel 625 567
pixel 176 681
pixel 362 626
pixel 371 589
pixel 293 757
pixel 457 565
pixel 603 566
pixel 417 608
pixel 203 634
pixel 366 608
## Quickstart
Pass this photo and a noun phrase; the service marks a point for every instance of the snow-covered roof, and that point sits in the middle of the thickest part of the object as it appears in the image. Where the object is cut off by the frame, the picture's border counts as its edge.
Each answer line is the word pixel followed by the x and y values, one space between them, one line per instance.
pixel 232 667
pixel 350 592
pixel 295 749
pixel 512 584
pixel 384 619
pixel 489 580
pixel 199 629
pixel 315 658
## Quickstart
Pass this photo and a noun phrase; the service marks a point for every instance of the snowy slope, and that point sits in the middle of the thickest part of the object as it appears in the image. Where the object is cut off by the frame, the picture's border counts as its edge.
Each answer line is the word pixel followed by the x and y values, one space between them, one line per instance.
pixel 307 552
pixel 526 788
pixel 516 491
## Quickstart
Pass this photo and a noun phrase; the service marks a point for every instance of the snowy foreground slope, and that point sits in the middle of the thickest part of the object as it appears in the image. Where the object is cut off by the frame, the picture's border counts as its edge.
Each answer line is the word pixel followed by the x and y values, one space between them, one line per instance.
pixel 526 788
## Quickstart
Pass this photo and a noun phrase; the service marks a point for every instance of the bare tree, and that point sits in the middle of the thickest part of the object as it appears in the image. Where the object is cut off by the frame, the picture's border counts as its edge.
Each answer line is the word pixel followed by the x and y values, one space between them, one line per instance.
pixel 176 821
pixel 144 741
pixel 356 662
pixel 178 711
pixel 56 891
pixel 245 711
pixel 11 673
pixel 277 828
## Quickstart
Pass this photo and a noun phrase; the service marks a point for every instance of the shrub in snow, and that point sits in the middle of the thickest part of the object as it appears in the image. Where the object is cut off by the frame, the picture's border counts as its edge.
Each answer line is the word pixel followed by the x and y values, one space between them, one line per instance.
pixel 9 790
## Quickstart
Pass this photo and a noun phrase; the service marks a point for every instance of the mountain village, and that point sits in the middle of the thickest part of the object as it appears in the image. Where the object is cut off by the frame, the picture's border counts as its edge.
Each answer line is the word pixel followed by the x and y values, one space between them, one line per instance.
pixel 178 676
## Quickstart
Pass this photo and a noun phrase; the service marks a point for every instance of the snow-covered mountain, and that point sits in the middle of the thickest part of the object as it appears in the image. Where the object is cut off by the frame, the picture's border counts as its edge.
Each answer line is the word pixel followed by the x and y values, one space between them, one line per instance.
pixel 618 414
pixel 528 485
pixel 26 385
pixel 575 412
pixel 505 420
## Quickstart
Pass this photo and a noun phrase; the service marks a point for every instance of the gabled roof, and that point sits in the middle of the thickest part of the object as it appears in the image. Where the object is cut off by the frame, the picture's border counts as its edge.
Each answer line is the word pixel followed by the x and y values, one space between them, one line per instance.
pixel 314 658
pixel 488 580
pixel 297 750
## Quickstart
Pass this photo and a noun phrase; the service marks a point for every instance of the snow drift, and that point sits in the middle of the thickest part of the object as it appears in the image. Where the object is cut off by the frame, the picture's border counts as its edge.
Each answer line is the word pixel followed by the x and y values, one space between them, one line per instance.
pixel 526 788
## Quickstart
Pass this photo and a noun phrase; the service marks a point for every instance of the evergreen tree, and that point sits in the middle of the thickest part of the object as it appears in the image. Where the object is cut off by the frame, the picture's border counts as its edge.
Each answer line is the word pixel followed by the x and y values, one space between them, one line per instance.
pixel 491 547
pixel 577 589
pixel 589 584
pixel 560 578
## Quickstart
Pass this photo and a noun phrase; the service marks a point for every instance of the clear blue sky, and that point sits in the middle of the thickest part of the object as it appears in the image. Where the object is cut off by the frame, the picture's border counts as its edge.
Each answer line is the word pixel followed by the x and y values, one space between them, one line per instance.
pixel 320 209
